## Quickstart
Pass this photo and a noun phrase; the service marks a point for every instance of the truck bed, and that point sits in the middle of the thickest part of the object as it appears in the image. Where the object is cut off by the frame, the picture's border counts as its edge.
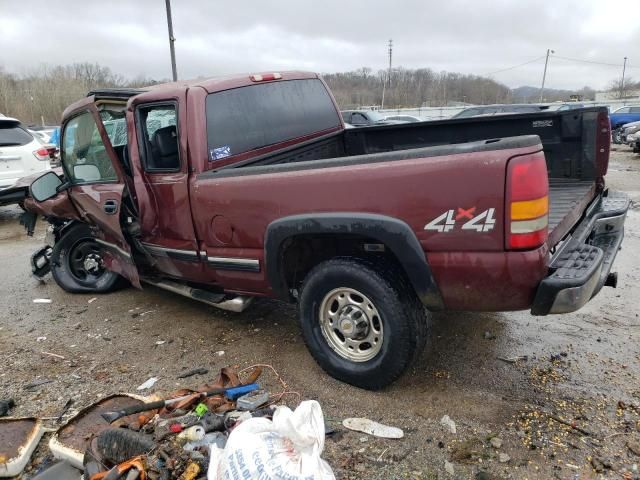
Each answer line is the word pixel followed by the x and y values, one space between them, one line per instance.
pixel 568 140
pixel 567 200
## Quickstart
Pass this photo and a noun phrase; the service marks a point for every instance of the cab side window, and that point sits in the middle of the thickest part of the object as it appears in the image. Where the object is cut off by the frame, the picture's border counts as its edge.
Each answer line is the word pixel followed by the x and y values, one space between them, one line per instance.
pixel 159 138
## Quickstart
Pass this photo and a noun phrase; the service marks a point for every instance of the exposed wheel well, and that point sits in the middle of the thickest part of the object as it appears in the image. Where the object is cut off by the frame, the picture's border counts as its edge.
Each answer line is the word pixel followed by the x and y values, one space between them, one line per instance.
pixel 300 253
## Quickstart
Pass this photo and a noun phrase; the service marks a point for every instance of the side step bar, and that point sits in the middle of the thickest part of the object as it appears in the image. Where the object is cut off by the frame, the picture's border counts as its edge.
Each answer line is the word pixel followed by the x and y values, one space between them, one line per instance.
pixel 220 300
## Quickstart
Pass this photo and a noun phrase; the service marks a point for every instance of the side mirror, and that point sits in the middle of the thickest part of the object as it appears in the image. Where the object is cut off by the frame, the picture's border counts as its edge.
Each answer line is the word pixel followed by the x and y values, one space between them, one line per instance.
pixel 45 187
pixel 86 173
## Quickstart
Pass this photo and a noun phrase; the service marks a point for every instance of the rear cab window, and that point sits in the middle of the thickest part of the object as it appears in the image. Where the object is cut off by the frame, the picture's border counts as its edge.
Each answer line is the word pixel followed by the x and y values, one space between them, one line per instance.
pixel 248 118
pixel 13 135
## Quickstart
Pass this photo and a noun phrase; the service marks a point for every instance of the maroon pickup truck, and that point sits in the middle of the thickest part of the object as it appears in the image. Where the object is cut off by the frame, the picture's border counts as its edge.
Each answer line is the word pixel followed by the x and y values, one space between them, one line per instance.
pixel 249 186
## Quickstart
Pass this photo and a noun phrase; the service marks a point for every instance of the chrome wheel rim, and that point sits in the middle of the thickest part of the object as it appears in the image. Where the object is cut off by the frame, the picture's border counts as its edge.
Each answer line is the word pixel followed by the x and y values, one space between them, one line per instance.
pixel 351 324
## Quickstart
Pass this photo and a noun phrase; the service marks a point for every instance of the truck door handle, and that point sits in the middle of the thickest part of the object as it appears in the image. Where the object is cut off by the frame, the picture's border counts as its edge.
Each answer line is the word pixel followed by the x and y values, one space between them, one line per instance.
pixel 110 207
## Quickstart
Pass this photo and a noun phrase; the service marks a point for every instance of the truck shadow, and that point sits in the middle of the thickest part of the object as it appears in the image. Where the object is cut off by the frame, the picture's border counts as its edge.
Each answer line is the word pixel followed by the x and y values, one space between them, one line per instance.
pixel 460 343
pixel 9 222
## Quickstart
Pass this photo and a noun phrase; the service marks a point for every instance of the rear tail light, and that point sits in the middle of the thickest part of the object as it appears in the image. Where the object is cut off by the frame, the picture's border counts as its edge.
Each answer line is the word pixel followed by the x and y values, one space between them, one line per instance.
pixel 527 209
pixel 45 153
pixel 603 143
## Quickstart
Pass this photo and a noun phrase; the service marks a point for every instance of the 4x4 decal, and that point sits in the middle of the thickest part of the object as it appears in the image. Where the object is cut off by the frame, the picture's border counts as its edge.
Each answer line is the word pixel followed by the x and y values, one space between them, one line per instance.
pixel 483 222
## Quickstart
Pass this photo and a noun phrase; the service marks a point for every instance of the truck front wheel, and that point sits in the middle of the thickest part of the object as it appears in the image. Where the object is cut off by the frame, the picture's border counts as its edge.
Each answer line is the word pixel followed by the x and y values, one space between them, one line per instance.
pixel 76 264
pixel 361 321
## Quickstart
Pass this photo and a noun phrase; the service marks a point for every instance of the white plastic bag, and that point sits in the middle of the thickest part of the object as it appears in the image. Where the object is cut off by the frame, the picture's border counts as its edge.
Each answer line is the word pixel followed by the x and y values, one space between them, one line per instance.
pixel 287 448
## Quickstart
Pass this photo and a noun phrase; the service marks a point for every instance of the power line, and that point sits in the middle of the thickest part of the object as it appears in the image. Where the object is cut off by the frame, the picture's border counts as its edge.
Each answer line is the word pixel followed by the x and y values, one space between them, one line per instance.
pixel 516 66
pixel 593 62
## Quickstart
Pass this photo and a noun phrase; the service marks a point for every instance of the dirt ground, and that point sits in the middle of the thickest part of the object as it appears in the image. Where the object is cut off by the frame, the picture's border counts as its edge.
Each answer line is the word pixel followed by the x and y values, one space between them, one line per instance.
pixel 569 410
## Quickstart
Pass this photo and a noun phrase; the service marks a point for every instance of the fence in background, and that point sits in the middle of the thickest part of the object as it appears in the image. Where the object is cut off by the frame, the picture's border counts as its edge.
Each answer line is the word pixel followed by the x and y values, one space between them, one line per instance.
pixel 438 113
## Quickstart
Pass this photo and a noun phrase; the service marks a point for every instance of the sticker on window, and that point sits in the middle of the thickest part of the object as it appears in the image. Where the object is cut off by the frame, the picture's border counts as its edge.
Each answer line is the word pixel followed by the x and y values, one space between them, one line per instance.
pixel 219 153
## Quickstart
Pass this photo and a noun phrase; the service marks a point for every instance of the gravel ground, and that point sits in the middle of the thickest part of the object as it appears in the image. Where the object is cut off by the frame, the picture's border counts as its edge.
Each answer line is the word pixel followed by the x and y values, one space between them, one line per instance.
pixel 570 410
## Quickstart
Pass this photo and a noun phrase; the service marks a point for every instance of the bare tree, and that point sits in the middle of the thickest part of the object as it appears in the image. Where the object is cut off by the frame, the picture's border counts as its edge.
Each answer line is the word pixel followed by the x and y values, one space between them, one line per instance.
pixel 616 87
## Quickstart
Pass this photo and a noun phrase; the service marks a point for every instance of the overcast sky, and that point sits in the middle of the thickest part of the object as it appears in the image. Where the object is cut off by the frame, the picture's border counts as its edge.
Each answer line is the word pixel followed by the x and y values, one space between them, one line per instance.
pixel 223 36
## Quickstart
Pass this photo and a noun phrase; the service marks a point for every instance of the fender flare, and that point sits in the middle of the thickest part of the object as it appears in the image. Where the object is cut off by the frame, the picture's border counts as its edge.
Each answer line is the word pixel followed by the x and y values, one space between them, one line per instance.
pixel 392 232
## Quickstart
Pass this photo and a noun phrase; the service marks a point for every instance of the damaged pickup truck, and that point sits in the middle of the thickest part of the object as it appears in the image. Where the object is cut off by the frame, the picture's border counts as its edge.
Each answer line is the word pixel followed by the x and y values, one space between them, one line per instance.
pixel 249 186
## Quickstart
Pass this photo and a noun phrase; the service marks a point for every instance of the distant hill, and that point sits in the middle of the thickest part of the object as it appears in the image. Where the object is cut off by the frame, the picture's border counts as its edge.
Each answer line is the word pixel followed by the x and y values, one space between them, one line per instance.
pixel 529 94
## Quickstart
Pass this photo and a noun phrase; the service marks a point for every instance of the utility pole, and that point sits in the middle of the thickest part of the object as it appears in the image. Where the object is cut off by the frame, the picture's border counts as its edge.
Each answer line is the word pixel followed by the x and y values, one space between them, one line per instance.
pixel 624 67
pixel 172 39
pixel 384 86
pixel 544 75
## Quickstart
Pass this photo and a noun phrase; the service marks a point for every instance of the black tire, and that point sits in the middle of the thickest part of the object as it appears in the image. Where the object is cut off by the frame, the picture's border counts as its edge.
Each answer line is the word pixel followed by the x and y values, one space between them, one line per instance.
pixel 402 315
pixel 65 267
pixel 616 136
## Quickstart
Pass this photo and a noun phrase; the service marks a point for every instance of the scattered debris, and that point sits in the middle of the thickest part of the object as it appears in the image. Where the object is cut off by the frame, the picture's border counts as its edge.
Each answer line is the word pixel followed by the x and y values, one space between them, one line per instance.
pixel 449 424
pixel 42 300
pixel 19 437
pixel 161 342
pixel 448 467
pixel 600 464
pixel 64 410
pixel 37 383
pixel 5 406
pixel 489 336
pixel 195 371
pixel 632 444
pixel 196 432
pixel 59 470
pixel 291 443
pixel 468 450
pixel 496 442
pixel 252 400
pixel 370 427
pixel 54 355
pixel 519 358
pixel 572 425
pixel 41 339
pixel 91 300
pixel 219 353
pixel 148 384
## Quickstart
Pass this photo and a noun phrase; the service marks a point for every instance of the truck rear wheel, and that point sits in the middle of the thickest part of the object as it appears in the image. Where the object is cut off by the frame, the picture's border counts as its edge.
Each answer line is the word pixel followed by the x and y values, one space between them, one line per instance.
pixel 362 322
pixel 76 264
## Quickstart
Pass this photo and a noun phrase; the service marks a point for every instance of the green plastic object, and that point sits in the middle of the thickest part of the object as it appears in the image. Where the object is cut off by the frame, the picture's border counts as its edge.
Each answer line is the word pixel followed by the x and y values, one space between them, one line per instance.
pixel 201 409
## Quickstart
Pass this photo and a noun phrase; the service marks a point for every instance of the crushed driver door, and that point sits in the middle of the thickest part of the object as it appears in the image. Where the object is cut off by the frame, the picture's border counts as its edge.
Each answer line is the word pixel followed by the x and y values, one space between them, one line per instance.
pixel 97 181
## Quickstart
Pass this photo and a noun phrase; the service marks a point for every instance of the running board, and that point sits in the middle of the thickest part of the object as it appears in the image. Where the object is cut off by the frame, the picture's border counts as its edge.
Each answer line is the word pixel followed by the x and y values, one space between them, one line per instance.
pixel 236 304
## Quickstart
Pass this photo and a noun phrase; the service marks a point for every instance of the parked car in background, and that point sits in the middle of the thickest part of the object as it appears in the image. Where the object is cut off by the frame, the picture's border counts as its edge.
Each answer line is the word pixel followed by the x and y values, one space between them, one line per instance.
pixel 628 130
pixel 21 154
pixel 404 118
pixel 486 110
pixel 43 132
pixel 365 118
pixel 620 117
pixel 569 106
pixel 42 136
pixel 633 139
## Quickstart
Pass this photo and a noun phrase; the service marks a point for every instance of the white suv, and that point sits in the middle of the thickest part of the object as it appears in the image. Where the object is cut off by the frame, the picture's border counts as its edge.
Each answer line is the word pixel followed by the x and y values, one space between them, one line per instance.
pixel 21 154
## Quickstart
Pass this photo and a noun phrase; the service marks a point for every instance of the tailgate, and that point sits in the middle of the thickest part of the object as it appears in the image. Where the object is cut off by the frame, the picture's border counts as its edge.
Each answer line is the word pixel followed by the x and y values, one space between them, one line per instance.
pixel 568 199
pixel 581 266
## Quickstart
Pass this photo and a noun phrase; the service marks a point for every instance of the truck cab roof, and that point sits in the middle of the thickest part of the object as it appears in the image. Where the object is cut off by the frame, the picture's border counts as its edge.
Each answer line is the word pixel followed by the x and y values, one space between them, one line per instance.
pixel 211 85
